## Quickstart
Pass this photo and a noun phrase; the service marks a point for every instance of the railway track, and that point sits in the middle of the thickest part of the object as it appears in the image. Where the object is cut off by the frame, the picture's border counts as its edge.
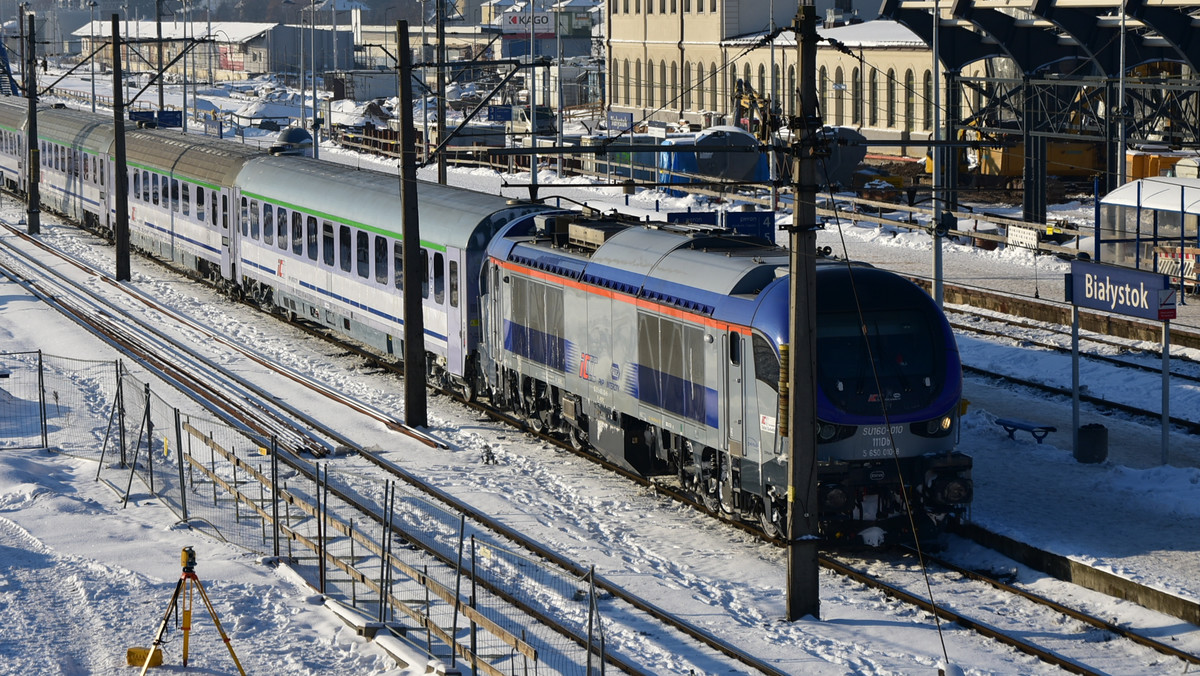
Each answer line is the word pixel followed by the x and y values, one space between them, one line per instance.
pixel 244 404
pixel 1069 642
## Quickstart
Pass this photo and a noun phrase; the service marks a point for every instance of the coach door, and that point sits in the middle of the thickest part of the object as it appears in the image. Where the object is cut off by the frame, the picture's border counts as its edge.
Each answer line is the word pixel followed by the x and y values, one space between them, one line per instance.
pixel 455 307
pixel 228 241
pixel 735 368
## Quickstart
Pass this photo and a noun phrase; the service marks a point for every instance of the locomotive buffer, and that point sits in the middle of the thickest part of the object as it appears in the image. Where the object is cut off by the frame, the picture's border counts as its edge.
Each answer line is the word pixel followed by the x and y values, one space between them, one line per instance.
pixel 188 583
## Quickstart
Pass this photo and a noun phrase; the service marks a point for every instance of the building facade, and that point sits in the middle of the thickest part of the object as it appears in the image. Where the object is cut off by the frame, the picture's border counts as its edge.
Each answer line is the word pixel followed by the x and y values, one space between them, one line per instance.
pixel 684 60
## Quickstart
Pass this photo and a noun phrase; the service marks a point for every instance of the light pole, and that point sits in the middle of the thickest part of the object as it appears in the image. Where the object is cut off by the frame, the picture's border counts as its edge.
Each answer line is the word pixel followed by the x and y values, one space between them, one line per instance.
pixel 92 46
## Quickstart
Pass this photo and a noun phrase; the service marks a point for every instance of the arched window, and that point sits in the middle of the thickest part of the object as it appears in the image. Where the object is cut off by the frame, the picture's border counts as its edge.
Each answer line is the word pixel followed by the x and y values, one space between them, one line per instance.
pixel 839 97
pixel 687 85
pixel 637 86
pixel 910 92
pixel 625 83
pixel 823 90
pixel 614 81
pixel 927 101
pixel 714 86
pixel 856 96
pixel 891 98
pixel 650 84
pixel 662 84
pixel 791 90
pixel 762 79
pixel 873 105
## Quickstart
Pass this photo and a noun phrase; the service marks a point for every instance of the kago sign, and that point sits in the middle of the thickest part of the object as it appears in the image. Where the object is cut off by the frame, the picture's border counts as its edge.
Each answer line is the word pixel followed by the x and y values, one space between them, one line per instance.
pixel 1134 293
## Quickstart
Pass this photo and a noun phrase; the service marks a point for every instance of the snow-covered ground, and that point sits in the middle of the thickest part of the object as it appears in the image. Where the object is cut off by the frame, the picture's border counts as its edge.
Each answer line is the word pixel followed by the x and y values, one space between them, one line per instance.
pixel 82 579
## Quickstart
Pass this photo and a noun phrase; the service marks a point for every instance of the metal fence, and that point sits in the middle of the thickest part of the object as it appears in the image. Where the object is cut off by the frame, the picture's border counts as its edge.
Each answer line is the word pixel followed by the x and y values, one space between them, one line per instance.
pixel 450 588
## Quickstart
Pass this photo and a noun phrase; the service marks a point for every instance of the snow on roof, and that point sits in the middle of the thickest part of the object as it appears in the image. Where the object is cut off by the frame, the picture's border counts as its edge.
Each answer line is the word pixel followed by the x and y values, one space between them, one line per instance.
pixel 224 31
pixel 877 33
pixel 1162 193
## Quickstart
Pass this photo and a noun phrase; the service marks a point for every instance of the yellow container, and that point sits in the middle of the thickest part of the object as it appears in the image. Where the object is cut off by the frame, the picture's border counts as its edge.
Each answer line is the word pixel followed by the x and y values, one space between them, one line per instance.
pixel 136 657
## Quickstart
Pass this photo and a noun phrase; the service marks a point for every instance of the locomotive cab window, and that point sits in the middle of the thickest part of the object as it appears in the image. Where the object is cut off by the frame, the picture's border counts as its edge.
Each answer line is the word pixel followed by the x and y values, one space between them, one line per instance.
pixel 735 348
pixel 766 363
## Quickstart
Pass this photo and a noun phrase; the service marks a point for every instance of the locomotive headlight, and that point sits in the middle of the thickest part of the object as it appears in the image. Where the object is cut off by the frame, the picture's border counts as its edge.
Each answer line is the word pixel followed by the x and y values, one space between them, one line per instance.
pixel 938 425
pixel 826 432
pixel 952 490
pixel 834 498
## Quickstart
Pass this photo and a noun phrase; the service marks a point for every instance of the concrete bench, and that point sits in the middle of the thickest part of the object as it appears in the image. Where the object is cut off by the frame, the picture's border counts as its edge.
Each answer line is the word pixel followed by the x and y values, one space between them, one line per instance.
pixel 1011 425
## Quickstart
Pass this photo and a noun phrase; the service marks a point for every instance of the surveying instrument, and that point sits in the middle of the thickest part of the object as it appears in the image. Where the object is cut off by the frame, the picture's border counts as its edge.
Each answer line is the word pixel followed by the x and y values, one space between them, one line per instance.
pixel 188 583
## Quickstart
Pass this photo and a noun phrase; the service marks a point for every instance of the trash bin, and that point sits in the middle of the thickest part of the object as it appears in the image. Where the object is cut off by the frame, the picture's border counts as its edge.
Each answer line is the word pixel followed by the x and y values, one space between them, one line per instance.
pixel 1093 443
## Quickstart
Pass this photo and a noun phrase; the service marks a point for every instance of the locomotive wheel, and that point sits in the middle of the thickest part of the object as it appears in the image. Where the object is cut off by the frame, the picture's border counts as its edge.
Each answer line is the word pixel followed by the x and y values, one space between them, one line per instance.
pixel 766 519
pixel 577 438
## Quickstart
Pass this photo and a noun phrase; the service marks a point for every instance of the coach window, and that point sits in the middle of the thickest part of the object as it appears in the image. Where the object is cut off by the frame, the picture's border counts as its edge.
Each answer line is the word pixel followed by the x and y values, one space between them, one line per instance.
pixel 398 263
pixel 244 218
pixel 187 199
pixel 268 223
pixel 297 233
pixel 424 273
pixel 200 204
pixel 254 207
pixel 362 254
pixel 137 185
pixel 439 278
pixel 281 227
pixel 213 193
pixel 453 283
pixel 344 247
pixel 311 223
pixel 327 242
pixel 86 169
pixel 146 187
pixel 381 260
pixel 175 194
pixel 154 188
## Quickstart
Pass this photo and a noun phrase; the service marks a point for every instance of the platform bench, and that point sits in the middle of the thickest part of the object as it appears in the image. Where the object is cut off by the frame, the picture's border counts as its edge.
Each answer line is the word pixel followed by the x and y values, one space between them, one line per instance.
pixel 1011 425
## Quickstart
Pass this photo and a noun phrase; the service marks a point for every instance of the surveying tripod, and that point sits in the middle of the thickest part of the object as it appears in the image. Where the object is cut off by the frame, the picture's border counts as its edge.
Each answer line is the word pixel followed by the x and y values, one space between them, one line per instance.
pixel 185 584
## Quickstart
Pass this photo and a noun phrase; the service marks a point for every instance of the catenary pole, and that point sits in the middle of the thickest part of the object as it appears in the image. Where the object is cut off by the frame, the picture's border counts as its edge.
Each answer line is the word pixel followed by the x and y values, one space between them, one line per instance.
pixel 33 213
pixel 120 165
pixel 415 407
pixel 802 586
pixel 441 88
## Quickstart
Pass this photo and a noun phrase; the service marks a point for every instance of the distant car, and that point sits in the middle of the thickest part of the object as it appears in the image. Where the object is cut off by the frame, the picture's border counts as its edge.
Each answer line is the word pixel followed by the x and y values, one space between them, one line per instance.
pixel 547 121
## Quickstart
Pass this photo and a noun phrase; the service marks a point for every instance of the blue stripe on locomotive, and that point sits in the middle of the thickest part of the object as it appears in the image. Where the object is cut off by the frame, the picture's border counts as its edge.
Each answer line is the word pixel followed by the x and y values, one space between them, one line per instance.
pixel 538 346
pixel 682 397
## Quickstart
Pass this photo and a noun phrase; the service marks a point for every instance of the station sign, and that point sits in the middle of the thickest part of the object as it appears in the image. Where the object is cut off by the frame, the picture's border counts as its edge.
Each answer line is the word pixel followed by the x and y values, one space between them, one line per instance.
pixel 170 118
pixel 619 121
pixel 500 113
pixel 1134 293
pixel 757 223
pixel 692 217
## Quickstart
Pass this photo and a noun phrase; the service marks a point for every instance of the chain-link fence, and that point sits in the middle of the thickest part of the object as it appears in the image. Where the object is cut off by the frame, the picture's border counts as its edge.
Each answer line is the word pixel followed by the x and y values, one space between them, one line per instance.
pixel 457 591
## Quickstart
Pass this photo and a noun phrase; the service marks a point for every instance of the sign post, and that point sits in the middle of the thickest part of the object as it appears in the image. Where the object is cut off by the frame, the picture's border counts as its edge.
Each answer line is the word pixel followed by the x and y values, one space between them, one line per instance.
pixel 1134 293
